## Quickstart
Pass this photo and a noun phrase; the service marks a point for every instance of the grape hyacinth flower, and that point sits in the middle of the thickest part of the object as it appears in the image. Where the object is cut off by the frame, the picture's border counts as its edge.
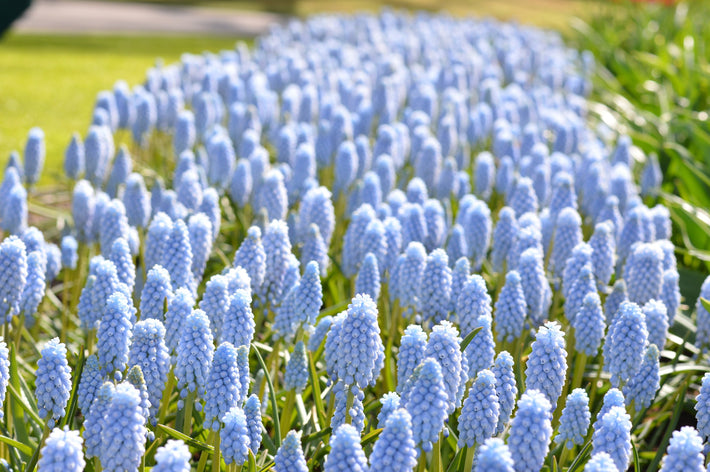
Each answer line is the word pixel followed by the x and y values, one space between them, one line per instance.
pixel 356 411
pixel 534 283
pixel 613 436
pixel 702 408
pixel 149 352
pixel 223 387
pixel 530 431
pixel 457 247
pixel 644 273
pixel 94 419
pixel 702 335
pixel 69 255
pixel 503 236
pixel 195 352
pixel 627 340
pixel 581 256
pixel 35 152
pixel 122 259
pixel 685 452
pixel 643 385
pixel 156 294
pixel 276 247
pixel 656 322
pixel 477 227
pixel 547 364
pixel 410 275
pixel 124 432
pixel 346 454
pixel 14 211
pixel 114 334
pixel 424 397
pixel 436 293
pixel 90 383
pixel 53 383
pixel 114 225
pixel 179 308
pixel 589 325
pixel 574 422
pixel 568 233
pixel 481 350
pixel 411 353
pixel 510 309
pixel 62 452
pixel 33 291
pixel 122 166
pixel 4 373
pixel 252 258
pixel 480 412
pixel 603 247
pixel 494 456
pixel 390 402
pixel 444 346
pixel 601 462
pixel 74 157
pixel 289 457
pixel 252 410
pixel 360 353
pixel 177 257
pixel 506 388
pixel 315 250
pixel 614 300
pixel 583 285
pixel 296 375
pixel 670 293
pixel 394 450
pixel 174 456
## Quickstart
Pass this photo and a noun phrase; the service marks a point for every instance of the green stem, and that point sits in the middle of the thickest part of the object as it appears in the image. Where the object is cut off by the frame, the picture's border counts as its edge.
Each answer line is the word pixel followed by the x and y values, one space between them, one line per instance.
pixel 216 459
pixel 436 456
pixel 470 454
pixel 32 463
pixel 580 362
pixel 187 420
pixel 286 413
pixel 203 456
pixel 422 462
pixel 563 456
pixel 349 404
pixel 166 396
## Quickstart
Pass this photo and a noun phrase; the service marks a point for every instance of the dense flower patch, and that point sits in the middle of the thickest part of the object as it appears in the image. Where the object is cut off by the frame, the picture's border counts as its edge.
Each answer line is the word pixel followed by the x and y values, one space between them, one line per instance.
pixel 371 243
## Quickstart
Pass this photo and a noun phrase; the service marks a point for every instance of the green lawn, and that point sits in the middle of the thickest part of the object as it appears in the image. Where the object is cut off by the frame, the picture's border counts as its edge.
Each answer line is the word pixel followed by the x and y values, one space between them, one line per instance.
pixel 51 81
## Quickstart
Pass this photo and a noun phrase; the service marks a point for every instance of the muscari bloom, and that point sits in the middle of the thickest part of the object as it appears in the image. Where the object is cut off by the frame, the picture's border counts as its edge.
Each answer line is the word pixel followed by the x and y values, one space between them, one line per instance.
pixel 14 211
pixel 346 454
pixel 581 255
pixel 510 309
pixel 351 254
pixel 356 411
pixel 62 452
pixel 195 351
pixel 122 166
pixel 547 364
pixel 124 432
pixel 612 434
pixel 122 259
pixel 395 450
pixel 74 157
pixel 643 385
pixel 90 383
pixel 444 346
pixel 503 236
pixel 480 412
pixel 524 198
pixel 702 407
pixel 575 419
pixel 174 456
pixel 33 291
pixel 177 257
pixel 534 283
pixel 411 353
pixel 477 227
pixel 277 247
pixel 114 334
pixel 530 431
pixel 53 382
pixel 289 457
pixel 603 247
pixel 360 352
pixel 149 352
pixel 702 335
pixel 436 293
pixel 223 386
pixel 368 278
pixel 424 397
pixel 94 419
pixel 614 300
pixel 627 340
pixel 252 410
pixel 410 275
pixel 583 285
pixel 685 452
pixel 506 388
pixel 656 322
pixel 670 293
pixel 494 456
pixel 644 273
pixel 296 375
pixel 568 233
pixel 601 462
pixel 114 225
pixel 35 152
pixel 69 254
pixel 156 294
pixel 589 325
pixel 252 258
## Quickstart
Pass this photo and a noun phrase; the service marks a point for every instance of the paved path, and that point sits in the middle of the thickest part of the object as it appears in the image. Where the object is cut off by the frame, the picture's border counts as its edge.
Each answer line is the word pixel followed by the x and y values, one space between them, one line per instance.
pixel 80 16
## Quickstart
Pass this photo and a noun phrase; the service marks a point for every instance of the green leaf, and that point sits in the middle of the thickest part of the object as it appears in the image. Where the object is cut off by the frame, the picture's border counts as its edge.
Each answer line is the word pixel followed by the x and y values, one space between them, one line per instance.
pixel 73 400
pixel 315 385
pixel 23 448
pixel 185 438
pixel 706 303
pixel 637 467
pixel 467 340
pixel 371 437
pixel 272 394
pixel 577 462
pixel 251 464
